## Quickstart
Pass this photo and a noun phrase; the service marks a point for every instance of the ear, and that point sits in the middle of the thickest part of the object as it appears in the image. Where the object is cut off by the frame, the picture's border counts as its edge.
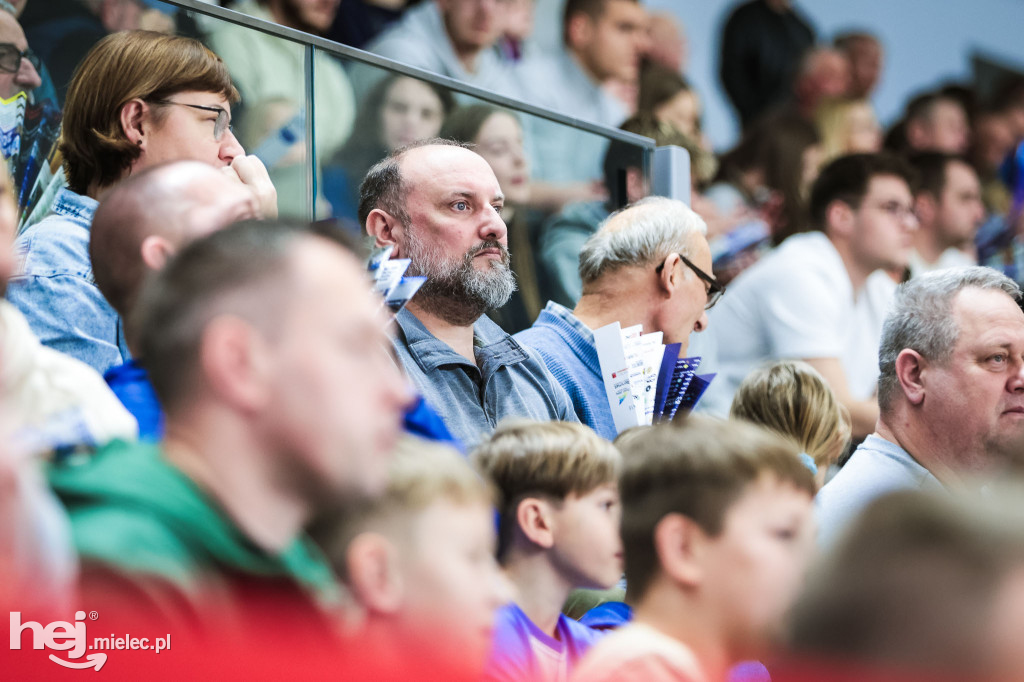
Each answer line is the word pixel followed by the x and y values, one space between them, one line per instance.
pixel 839 219
pixel 910 370
pixel 534 518
pixel 383 226
pixel 679 543
pixel 133 114
pixel 669 277
pixel 236 363
pixel 373 576
pixel 580 30
pixel 156 251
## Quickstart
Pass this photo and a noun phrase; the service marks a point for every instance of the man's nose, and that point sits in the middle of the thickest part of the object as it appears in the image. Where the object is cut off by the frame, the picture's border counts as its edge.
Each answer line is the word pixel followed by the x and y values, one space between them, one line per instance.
pixel 28 77
pixel 702 322
pixel 1016 382
pixel 494 228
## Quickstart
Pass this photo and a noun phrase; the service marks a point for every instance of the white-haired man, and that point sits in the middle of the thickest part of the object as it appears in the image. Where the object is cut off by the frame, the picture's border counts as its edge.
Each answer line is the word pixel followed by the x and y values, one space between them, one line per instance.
pixel 648 264
pixel 950 392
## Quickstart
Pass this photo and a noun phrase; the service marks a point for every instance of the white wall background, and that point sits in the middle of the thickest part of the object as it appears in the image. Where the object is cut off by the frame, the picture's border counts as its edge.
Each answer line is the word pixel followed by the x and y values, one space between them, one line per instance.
pixel 927 42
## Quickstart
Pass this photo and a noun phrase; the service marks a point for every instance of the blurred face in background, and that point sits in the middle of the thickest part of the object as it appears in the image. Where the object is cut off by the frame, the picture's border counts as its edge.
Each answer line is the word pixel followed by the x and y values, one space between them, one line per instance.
pixel 993 141
pixel 885 224
pixel 960 211
pixel 943 129
pixel 682 112
pixel 311 16
pixel 863 134
pixel 824 74
pixel 500 142
pixel 411 111
pixel 518 19
pixel 611 46
pixel 667 41
pixel 473 25
pixel 865 67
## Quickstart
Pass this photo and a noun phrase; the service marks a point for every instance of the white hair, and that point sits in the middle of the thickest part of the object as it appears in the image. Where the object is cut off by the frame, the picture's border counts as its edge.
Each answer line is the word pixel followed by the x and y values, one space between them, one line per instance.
pixel 642 233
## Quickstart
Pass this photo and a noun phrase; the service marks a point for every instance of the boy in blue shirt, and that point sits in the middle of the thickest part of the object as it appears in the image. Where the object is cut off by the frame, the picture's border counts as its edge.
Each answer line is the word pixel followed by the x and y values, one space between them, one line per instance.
pixel 557 486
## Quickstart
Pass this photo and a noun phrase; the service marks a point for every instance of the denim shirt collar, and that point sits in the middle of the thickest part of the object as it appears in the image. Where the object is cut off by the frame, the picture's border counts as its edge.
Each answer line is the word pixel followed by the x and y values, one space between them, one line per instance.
pixel 493 348
pixel 77 208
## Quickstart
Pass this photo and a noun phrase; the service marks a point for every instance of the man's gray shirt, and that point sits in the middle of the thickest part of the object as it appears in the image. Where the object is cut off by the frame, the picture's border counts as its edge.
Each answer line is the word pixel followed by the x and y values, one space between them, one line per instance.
pixel 508 380
pixel 877 467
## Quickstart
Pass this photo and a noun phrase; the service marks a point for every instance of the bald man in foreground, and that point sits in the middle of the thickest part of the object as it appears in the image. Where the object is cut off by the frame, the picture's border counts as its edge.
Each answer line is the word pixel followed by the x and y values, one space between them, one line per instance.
pixel 138 227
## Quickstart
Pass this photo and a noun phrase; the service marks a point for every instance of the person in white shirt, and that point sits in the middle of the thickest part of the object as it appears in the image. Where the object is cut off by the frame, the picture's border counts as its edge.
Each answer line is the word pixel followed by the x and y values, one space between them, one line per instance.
pixel 822 296
pixel 949 211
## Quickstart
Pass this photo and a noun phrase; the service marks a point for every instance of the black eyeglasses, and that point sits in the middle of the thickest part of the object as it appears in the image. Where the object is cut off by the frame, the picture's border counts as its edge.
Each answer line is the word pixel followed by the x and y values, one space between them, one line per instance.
pixel 715 289
pixel 220 126
pixel 11 56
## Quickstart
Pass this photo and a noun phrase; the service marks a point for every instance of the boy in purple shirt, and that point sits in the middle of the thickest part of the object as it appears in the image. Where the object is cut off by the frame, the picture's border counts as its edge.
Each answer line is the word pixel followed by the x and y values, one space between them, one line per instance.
pixel 557 486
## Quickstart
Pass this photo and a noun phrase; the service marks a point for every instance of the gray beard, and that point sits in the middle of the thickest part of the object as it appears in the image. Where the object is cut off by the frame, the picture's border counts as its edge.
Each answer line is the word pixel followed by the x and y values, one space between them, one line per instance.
pixel 455 290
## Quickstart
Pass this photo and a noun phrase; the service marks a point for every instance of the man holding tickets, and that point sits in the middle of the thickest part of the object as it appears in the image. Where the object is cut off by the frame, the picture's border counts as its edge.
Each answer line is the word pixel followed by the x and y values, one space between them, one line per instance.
pixel 648 264
pixel 438 204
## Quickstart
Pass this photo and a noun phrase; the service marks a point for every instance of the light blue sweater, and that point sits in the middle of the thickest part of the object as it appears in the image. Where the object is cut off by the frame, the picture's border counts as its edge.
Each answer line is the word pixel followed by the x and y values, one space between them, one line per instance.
pixel 567 347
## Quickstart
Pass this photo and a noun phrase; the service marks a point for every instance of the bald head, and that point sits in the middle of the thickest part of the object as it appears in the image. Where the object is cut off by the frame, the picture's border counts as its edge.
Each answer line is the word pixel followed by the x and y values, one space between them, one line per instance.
pixel 148 217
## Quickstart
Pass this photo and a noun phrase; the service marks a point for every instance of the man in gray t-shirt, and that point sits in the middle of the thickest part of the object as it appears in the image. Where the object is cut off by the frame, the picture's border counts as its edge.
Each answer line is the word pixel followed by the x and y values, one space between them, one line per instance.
pixel 950 392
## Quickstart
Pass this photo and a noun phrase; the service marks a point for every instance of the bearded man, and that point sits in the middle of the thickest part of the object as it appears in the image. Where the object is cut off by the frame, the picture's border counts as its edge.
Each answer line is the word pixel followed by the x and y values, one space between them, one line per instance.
pixel 439 205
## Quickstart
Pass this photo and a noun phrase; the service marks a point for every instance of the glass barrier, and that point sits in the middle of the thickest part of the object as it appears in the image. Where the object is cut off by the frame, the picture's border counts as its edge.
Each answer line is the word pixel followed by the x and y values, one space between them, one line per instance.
pixel 320 114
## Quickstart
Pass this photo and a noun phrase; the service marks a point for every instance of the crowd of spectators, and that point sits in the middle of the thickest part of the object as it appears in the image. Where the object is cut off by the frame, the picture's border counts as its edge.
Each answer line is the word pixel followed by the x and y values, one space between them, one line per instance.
pixel 213 424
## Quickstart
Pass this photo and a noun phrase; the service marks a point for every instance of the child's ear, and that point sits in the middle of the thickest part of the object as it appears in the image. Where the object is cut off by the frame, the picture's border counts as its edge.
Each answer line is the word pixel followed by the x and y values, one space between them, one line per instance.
pixel 533 516
pixel 679 543
pixel 373 575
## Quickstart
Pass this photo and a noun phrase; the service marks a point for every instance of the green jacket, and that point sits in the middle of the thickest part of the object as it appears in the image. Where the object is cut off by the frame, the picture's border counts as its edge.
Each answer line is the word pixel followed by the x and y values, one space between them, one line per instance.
pixel 144 530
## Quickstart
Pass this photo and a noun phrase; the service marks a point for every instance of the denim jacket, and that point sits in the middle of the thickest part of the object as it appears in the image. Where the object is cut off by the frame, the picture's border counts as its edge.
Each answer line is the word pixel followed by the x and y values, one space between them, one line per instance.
pixel 507 380
pixel 56 291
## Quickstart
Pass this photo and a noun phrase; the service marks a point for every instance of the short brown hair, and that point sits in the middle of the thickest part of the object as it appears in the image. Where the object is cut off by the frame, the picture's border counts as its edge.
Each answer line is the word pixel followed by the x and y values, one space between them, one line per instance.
pixel 122 67
pixel 792 399
pixel 699 469
pixel 593 9
pixel 553 459
pixel 422 473
pixel 847 179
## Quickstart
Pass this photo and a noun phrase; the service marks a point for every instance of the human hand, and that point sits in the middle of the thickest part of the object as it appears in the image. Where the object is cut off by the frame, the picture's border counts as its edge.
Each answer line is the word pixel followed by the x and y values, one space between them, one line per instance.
pixel 251 172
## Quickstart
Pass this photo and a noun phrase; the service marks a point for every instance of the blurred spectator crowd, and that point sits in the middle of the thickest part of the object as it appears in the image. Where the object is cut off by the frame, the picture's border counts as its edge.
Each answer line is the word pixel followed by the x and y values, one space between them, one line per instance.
pixel 220 418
